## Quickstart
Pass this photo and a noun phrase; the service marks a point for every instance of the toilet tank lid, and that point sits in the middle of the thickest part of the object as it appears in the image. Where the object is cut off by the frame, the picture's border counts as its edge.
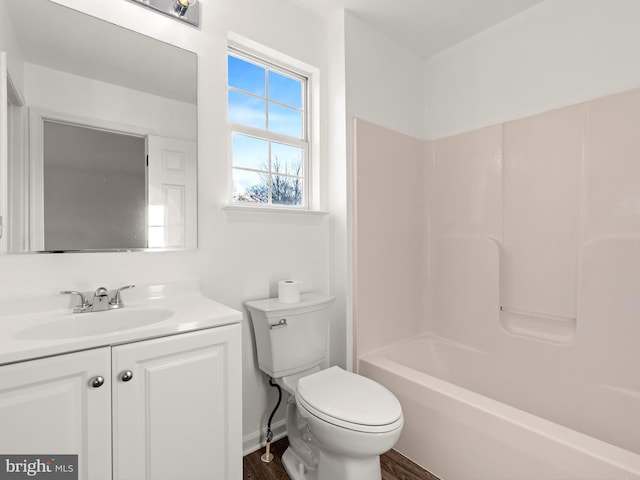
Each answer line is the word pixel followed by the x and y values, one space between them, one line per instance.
pixel 309 302
pixel 349 397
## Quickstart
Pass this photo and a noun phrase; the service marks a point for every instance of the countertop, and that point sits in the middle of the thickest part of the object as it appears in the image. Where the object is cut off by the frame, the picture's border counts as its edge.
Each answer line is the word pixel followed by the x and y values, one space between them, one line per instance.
pixel 186 308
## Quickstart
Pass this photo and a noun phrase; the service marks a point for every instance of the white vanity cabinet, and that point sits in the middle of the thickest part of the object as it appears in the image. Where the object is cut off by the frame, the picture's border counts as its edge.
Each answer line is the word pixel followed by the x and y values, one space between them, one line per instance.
pixel 169 407
pixel 175 406
pixel 47 407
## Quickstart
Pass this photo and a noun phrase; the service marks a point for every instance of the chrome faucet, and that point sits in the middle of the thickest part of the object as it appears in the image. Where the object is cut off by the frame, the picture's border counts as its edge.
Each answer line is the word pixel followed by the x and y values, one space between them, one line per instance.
pixel 101 301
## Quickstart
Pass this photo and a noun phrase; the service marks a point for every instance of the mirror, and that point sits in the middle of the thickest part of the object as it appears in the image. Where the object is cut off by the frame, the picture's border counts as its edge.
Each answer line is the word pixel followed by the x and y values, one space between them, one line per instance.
pixel 101 135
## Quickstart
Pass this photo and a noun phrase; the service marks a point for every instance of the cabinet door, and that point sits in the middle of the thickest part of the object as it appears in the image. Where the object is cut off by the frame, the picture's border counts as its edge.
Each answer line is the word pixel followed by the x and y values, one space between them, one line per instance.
pixel 48 407
pixel 177 409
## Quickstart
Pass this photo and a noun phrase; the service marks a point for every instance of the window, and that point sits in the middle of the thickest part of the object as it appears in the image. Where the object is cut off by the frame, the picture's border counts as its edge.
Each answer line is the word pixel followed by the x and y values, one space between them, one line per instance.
pixel 268 119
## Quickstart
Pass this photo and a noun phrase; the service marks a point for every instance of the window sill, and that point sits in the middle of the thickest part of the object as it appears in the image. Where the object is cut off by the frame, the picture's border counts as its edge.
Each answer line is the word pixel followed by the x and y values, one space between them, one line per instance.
pixel 249 214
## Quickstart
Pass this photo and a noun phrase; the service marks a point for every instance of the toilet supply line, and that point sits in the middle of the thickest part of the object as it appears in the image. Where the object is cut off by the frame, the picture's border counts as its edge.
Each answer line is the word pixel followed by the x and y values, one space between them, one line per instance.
pixel 267 457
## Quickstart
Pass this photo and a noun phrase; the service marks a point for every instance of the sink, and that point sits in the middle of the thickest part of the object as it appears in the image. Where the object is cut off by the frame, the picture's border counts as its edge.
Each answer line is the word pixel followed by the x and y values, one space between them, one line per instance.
pixel 95 323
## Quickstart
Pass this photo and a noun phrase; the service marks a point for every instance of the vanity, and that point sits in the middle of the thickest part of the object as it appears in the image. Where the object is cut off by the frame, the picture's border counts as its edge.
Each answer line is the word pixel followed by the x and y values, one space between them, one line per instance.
pixel 98 153
pixel 148 391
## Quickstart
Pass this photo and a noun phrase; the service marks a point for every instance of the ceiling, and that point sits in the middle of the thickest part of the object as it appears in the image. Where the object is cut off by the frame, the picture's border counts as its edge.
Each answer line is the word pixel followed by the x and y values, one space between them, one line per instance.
pixel 425 27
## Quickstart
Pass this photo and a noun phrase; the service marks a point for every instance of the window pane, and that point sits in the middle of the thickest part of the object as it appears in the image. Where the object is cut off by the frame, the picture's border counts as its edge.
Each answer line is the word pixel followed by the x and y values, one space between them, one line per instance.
pixel 286 190
pixel 285 120
pixel 250 187
pixel 250 152
pixel 286 159
pixel 285 89
pixel 246 76
pixel 247 110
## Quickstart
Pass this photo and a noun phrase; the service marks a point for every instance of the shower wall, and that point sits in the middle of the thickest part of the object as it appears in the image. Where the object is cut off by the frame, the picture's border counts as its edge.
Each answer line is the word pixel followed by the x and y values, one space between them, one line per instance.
pixel 527 229
pixel 390 254
pixel 548 198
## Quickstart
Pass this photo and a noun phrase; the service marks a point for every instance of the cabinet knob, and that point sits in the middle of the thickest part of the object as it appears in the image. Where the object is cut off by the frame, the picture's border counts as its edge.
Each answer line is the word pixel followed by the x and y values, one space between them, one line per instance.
pixel 126 375
pixel 96 382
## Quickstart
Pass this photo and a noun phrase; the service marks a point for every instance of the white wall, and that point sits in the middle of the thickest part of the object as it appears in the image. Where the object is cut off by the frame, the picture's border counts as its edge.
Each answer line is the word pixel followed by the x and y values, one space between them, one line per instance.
pixel 238 259
pixel 555 54
pixel 385 81
pixel 9 43
pixel 339 198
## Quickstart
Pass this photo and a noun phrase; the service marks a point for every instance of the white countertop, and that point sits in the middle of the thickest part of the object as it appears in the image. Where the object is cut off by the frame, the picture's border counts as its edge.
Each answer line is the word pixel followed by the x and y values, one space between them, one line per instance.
pixel 189 311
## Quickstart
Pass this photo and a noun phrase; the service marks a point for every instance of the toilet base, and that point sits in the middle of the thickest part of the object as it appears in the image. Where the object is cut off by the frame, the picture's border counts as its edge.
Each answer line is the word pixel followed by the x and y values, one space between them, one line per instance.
pixel 295 467
pixel 332 468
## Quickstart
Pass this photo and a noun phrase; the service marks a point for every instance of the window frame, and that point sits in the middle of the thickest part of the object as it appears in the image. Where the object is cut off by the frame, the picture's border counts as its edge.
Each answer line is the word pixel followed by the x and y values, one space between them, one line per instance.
pixel 304 142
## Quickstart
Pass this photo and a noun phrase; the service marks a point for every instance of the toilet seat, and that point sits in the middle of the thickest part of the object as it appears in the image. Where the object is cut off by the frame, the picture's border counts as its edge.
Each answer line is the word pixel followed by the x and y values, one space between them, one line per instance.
pixel 349 401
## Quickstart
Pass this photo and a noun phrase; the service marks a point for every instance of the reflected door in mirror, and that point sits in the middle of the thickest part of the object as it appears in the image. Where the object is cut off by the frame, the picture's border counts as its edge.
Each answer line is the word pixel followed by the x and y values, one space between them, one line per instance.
pixel 172 192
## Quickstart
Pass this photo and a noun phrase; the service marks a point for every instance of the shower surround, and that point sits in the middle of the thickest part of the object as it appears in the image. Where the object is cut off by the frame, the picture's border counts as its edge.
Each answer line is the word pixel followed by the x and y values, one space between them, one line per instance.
pixel 504 262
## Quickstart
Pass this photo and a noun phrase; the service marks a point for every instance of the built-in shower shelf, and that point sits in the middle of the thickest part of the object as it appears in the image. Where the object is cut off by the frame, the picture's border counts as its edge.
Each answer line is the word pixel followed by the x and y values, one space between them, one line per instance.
pixel 538 326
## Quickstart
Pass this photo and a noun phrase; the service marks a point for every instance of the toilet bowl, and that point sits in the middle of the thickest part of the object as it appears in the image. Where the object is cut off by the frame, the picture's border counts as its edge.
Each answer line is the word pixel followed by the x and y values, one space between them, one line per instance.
pixel 353 420
pixel 349 420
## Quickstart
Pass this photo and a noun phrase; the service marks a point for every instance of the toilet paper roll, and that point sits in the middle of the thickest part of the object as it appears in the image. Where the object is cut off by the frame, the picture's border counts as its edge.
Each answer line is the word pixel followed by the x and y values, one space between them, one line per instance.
pixel 288 291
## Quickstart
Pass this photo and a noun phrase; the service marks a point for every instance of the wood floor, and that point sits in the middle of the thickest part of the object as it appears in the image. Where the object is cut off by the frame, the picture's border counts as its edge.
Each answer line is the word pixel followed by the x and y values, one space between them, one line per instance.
pixel 394 466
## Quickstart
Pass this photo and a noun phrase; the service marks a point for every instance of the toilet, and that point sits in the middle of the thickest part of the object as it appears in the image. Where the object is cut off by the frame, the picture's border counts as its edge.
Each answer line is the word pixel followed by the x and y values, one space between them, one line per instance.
pixel 348 420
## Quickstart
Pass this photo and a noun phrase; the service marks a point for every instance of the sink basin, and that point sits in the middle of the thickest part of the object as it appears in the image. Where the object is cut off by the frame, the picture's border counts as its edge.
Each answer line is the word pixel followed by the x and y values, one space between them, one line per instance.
pixel 94 323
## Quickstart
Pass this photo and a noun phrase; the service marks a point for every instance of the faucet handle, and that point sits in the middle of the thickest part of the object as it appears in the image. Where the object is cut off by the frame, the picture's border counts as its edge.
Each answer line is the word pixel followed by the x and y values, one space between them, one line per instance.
pixel 116 300
pixel 84 303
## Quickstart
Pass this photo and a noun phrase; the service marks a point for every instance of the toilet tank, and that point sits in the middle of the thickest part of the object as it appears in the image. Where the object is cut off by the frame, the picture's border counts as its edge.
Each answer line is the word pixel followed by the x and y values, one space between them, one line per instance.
pixel 290 337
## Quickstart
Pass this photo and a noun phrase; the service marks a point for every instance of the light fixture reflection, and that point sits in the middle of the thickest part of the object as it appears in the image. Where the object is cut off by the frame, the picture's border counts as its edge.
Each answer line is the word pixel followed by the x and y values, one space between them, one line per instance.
pixel 182 6
pixel 185 10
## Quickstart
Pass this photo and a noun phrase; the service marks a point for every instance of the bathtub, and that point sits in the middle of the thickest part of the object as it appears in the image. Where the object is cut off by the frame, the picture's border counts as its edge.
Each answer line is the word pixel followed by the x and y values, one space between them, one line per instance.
pixel 469 415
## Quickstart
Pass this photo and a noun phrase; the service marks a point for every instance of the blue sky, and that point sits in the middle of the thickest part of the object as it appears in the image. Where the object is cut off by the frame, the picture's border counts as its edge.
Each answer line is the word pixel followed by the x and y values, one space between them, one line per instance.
pixel 250 105
pixel 258 94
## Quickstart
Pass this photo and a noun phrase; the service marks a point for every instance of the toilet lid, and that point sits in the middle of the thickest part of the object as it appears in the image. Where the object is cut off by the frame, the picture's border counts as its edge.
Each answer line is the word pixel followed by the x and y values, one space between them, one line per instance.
pixel 349 400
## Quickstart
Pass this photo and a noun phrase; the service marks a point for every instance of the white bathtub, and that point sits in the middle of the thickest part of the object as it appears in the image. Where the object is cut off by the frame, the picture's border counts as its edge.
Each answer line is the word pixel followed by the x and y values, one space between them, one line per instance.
pixel 465 415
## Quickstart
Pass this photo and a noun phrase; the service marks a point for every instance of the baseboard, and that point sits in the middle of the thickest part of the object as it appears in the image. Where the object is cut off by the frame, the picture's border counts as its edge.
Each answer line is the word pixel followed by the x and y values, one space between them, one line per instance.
pixel 256 440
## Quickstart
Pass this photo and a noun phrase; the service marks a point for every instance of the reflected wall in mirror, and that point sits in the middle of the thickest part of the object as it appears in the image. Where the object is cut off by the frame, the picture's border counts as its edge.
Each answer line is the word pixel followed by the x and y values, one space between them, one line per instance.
pixel 101 135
